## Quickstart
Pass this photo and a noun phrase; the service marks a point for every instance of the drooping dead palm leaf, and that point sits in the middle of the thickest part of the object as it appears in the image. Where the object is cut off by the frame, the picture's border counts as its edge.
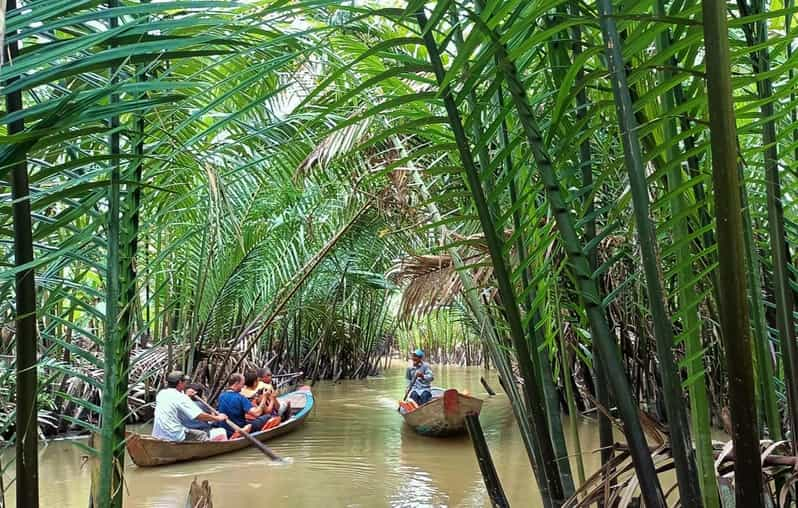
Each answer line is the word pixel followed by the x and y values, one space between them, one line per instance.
pixel 430 282
pixel 338 143
pixel 615 484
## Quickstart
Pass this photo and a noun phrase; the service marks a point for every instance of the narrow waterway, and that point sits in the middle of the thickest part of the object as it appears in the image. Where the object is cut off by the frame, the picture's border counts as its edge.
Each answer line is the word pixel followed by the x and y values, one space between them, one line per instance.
pixel 353 451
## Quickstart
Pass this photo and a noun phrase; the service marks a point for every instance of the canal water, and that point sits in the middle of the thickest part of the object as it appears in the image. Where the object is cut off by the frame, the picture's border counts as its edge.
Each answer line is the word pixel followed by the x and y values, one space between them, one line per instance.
pixel 353 451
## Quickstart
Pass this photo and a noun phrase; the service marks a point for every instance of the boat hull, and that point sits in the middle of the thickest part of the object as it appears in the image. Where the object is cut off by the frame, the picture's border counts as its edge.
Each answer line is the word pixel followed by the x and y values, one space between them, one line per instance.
pixel 147 451
pixel 444 415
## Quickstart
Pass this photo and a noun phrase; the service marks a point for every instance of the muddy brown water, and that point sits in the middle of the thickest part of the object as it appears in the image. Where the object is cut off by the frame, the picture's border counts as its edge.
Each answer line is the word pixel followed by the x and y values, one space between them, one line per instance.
pixel 353 451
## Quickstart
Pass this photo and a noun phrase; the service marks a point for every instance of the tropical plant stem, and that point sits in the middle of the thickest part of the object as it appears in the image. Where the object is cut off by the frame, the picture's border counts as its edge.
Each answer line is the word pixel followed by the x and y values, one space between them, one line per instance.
pixel 606 438
pixel 493 339
pixel 687 301
pixel 27 427
pixel 535 404
pixel 565 359
pixel 681 443
pixel 764 365
pixel 540 353
pixel 644 465
pixel 733 300
pixel 110 489
pixel 756 35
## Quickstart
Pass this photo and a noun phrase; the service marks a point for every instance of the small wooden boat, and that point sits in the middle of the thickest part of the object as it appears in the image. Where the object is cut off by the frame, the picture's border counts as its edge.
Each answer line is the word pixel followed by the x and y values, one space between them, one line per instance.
pixel 148 451
pixel 444 415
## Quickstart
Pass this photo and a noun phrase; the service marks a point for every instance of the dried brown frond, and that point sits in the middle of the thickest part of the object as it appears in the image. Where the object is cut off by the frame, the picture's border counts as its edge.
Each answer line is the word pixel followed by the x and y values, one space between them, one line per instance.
pixel 338 143
pixel 615 484
pixel 430 282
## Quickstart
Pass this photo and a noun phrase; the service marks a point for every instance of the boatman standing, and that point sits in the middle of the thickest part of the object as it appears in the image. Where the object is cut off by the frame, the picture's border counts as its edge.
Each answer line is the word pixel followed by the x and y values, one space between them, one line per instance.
pixel 420 376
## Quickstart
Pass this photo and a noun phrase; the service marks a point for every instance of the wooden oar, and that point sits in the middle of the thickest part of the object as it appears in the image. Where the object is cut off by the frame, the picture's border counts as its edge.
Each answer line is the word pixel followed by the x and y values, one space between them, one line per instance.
pixel 260 446
pixel 410 388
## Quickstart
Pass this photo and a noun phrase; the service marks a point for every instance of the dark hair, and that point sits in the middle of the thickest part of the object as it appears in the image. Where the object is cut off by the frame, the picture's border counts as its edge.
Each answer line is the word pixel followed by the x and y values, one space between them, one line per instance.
pixel 250 378
pixel 174 378
pixel 234 379
pixel 263 371
pixel 197 388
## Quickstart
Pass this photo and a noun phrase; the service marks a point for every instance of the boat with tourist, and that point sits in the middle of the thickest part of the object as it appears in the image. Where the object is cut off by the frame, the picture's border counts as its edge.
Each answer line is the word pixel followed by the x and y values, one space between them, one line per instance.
pixel 147 451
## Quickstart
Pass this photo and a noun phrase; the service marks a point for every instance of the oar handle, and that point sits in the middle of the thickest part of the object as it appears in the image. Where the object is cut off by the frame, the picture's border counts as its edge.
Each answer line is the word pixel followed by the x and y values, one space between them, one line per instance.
pixel 262 447
pixel 412 384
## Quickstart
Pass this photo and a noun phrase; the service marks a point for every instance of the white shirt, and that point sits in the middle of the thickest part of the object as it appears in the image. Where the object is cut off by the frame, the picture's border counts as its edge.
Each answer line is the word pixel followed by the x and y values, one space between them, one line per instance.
pixel 170 405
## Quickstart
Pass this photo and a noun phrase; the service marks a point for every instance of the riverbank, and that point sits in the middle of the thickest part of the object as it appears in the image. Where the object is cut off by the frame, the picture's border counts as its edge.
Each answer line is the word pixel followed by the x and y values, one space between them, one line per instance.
pixel 353 451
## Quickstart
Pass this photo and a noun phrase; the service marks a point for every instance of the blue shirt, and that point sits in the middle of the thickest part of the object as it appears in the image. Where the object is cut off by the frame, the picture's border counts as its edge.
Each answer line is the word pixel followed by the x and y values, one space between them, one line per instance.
pixel 423 383
pixel 235 406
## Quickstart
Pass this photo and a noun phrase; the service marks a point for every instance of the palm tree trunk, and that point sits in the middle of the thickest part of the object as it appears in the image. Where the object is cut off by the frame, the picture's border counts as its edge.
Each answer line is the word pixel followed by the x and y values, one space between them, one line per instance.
pixel 27 430
pixel 756 35
pixel 492 342
pixel 114 395
pixel 733 303
pixel 535 404
pixel 699 405
pixel 613 368
pixel 606 438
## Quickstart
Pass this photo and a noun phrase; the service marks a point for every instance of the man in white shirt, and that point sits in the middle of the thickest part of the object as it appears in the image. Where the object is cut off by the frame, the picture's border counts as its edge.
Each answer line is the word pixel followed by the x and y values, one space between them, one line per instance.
pixel 171 404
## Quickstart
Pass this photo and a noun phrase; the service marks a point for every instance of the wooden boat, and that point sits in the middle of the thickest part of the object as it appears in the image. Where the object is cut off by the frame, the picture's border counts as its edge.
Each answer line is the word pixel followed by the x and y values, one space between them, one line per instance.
pixel 148 451
pixel 443 415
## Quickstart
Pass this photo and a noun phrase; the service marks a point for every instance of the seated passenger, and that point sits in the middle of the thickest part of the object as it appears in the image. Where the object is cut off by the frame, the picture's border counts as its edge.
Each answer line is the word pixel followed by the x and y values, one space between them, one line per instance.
pixel 173 407
pixel 265 384
pixel 251 387
pixel 195 391
pixel 237 407
pixel 265 380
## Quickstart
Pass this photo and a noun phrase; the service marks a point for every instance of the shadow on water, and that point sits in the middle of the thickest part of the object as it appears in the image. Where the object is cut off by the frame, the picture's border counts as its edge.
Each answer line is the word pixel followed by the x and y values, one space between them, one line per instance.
pixel 354 451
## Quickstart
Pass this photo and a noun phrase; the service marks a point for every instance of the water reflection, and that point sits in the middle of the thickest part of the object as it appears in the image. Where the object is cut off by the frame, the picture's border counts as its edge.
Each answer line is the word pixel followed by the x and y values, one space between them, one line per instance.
pixel 354 451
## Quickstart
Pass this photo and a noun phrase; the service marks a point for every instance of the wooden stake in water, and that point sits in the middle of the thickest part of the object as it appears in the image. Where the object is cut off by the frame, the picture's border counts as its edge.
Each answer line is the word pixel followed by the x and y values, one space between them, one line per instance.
pixel 497 497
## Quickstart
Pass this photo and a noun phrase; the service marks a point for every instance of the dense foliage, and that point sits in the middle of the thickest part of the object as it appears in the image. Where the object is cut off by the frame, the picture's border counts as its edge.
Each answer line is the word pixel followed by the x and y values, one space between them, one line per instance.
pixel 214 183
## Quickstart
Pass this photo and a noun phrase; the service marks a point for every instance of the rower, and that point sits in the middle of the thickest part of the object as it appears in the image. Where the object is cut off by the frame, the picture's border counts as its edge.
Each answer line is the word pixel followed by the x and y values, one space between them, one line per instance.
pixel 420 376
pixel 195 392
pixel 172 406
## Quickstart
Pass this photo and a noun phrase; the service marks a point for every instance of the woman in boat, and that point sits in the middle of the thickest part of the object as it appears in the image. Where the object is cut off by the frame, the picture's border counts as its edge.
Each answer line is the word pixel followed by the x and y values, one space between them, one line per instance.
pixel 265 379
pixel 256 391
pixel 250 385
pixel 420 377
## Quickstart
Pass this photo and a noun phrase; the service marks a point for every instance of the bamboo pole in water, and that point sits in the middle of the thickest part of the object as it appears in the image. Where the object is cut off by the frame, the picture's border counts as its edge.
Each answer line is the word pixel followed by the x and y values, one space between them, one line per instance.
pixel 497 497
